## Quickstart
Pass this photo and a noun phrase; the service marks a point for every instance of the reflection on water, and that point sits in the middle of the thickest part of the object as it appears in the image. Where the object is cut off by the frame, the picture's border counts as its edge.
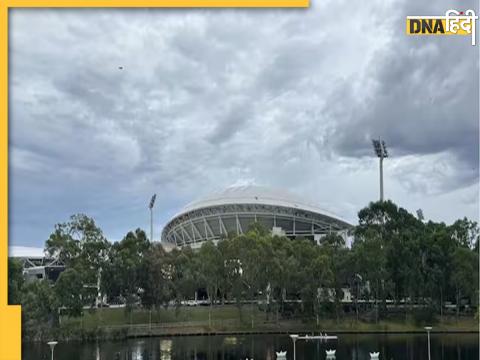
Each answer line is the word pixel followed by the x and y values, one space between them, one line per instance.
pixel 137 350
pixel 264 347
pixel 230 340
pixel 166 349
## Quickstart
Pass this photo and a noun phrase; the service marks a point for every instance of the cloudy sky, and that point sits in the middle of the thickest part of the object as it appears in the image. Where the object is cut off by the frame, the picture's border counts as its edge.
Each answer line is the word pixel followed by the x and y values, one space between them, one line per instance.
pixel 212 98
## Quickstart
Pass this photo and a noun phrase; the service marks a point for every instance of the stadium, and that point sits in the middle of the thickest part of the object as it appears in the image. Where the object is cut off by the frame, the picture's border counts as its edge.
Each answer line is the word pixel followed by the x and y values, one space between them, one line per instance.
pixel 232 211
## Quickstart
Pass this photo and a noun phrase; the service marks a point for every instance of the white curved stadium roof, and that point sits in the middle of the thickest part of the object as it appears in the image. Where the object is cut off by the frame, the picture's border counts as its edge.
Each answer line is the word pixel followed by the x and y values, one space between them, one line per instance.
pixel 254 194
pixel 26 252
pixel 234 209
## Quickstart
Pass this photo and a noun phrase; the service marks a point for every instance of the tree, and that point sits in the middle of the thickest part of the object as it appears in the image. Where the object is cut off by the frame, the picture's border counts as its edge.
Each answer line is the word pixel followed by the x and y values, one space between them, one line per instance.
pixel 15 281
pixel 394 255
pixel 251 264
pixel 184 274
pixel 280 259
pixel 437 261
pixel 465 232
pixel 80 244
pixel 465 274
pixel 333 247
pixel 39 308
pixel 315 276
pixel 70 293
pixel 78 240
pixel 125 271
pixel 157 287
pixel 370 262
pixel 231 284
pixel 211 264
pixel 279 254
pixel 390 233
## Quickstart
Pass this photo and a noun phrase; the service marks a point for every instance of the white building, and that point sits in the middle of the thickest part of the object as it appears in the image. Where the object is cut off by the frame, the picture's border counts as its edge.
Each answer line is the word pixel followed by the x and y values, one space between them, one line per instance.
pixel 233 210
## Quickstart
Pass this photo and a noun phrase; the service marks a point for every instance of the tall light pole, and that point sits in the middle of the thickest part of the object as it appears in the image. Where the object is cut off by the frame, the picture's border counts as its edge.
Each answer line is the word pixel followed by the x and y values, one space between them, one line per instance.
pixel 428 328
pixel 150 206
pixel 381 151
pixel 52 346
pixel 294 338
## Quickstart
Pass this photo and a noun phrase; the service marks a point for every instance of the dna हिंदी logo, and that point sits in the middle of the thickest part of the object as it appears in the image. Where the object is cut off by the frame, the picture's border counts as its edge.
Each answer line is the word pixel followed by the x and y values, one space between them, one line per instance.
pixel 453 23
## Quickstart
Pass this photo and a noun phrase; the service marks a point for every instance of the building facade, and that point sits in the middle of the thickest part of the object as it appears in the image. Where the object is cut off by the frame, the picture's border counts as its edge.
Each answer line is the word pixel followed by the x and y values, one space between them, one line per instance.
pixel 232 211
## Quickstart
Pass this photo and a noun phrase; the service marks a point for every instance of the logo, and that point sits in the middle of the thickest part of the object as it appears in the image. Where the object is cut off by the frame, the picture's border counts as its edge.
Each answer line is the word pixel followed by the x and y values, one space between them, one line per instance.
pixel 453 23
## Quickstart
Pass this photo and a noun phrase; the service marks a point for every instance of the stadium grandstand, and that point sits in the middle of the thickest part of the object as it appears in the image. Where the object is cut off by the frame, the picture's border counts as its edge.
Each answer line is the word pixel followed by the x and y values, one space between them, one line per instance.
pixel 232 211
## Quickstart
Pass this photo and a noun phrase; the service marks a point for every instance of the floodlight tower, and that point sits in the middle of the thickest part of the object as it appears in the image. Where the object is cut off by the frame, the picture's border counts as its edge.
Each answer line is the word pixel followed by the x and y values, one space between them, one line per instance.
pixel 381 151
pixel 150 206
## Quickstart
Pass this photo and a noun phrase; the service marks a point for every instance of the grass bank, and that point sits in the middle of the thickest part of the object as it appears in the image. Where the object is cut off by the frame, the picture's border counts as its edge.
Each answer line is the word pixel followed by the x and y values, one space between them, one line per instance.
pixel 118 316
pixel 116 323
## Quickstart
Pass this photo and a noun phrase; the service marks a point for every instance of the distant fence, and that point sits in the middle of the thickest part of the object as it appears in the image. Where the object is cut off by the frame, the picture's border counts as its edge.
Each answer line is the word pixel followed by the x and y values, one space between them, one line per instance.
pixel 227 322
pixel 233 326
pixel 183 327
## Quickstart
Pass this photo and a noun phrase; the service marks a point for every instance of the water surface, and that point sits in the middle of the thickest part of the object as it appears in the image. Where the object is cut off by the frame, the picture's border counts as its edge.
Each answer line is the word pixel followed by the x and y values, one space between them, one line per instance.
pixel 263 347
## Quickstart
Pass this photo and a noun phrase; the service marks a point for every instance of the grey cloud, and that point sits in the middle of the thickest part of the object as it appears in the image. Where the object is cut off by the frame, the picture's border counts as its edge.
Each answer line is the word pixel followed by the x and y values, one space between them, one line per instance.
pixel 211 98
pixel 425 101
pixel 232 121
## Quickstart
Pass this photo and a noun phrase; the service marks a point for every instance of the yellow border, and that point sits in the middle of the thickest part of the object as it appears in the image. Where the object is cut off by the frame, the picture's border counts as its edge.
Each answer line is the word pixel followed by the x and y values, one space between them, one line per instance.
pixel 10 324
pixel 161 3
pixel 10 316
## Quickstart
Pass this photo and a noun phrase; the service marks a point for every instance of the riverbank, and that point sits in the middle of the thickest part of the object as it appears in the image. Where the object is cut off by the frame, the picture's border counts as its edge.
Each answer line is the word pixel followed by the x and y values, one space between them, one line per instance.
pixel 111 324
pixel 286 327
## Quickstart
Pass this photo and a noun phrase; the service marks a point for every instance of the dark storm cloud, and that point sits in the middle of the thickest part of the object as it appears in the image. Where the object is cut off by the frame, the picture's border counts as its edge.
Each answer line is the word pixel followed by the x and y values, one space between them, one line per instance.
pixel 425 101
pixel 111 106
pixel 232 121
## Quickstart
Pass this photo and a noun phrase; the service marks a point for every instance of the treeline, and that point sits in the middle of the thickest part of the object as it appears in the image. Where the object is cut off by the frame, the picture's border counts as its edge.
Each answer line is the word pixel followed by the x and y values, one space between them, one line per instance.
pixel 394 256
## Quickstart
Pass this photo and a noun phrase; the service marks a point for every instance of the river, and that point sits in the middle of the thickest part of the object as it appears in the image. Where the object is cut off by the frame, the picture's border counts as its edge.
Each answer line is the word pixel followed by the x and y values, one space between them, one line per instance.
pixel 263 347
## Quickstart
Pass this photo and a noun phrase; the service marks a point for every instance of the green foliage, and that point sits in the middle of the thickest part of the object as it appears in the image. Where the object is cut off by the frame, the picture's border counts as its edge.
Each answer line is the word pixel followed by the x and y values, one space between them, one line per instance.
pixel 415 262
pixel 70 292
pixel 78 242
pixel 210 269
pixel 465 272
pixel 39 308
pixel 157 286
pixel 393 256
pixel 81 246
pixel 15 281
pixel 125 271
pixel 183 274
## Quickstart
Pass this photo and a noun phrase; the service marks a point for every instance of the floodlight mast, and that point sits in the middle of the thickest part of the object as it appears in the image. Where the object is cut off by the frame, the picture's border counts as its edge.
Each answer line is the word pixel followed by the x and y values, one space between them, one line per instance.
pixel 150 206
pixel 381 151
